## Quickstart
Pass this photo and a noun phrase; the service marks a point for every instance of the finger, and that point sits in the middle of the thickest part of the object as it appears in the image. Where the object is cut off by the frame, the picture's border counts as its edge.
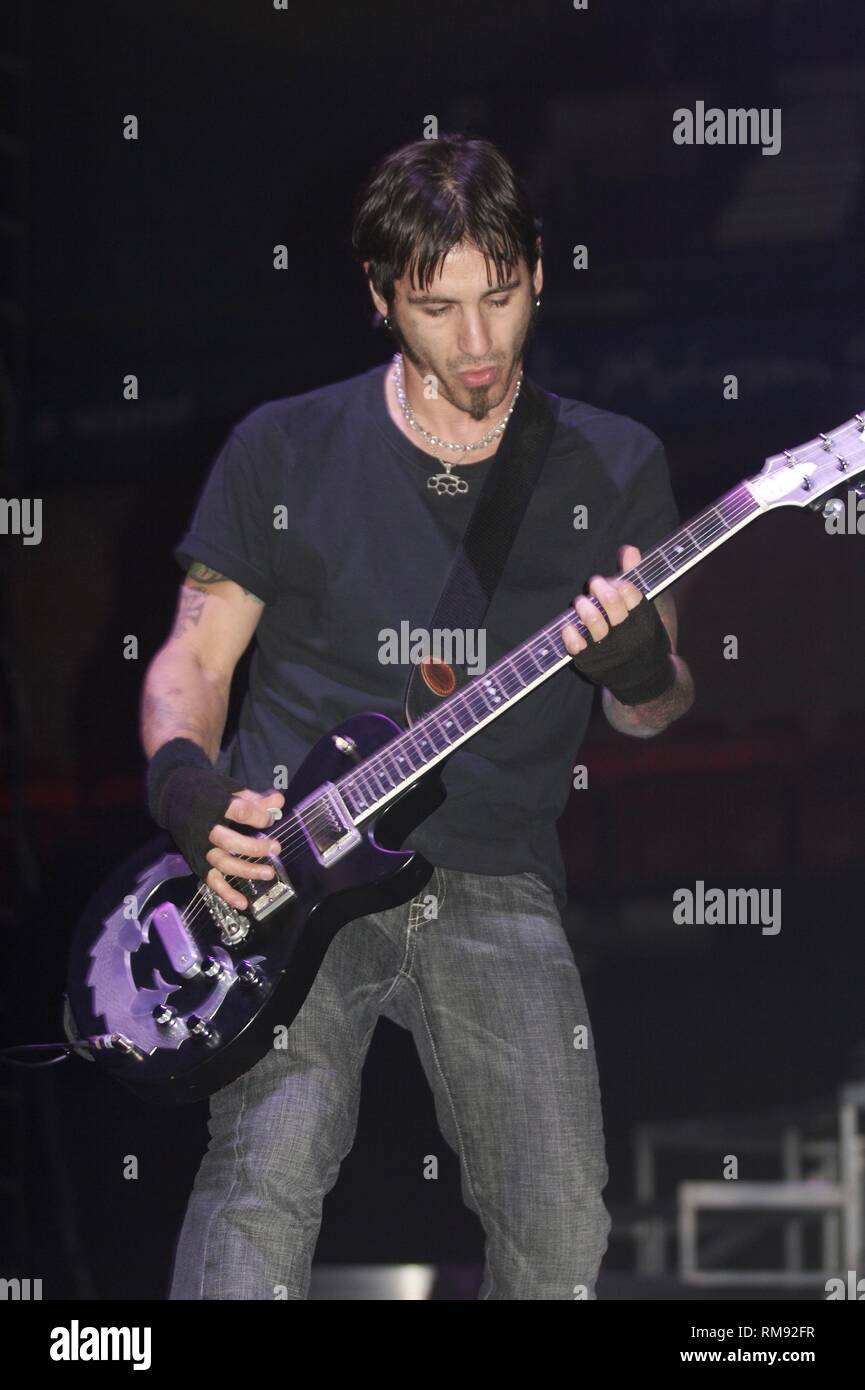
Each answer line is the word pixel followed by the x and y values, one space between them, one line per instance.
pixel 573 639
pixel 253 808
pixel 237 843
pixel 231 864
pixel 630 593
pixel 628 556
pixel 272 799
pixel 592 617
pixel 216 881
pixel 611 597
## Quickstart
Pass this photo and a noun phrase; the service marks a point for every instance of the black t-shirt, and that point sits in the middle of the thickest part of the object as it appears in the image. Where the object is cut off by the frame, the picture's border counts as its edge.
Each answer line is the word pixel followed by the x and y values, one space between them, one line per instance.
pixel 319 505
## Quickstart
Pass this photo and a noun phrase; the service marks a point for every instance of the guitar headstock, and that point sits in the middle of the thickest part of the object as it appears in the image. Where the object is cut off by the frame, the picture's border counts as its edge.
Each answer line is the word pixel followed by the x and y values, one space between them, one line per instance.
pixel 799 477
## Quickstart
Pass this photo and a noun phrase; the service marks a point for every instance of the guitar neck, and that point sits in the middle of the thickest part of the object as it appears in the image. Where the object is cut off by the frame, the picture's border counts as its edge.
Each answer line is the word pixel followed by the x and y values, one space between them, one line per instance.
pixel 393 768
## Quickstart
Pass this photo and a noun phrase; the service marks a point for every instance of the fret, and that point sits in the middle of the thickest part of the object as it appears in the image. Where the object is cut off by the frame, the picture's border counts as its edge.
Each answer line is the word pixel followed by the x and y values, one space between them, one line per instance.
pixel 522 669
pixel 483 692
pixel 533 651
pixel 701 524
pixel 484 697
pixel 381 775
pixel 679 550
pixel 493 689
pixel 392 767
pixel 546 652
pixel 478 707
pixel 460 715
pixel 510 677
pixel 708 525
pixel 361 790
pixel 409 750
pixel 734 506
pixel 353 797
pixel 661 554
pixel 448 725
pixel 408 758
pixel 423 743
pixel 435 732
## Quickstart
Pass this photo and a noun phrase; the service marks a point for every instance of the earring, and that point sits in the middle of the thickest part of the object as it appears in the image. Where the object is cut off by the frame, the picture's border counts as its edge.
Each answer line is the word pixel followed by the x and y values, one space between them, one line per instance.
pixel 386 322
pixel 538 302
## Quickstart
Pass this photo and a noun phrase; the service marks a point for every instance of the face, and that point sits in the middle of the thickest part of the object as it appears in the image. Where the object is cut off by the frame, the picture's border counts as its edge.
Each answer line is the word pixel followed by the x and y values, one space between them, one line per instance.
pixel 468 334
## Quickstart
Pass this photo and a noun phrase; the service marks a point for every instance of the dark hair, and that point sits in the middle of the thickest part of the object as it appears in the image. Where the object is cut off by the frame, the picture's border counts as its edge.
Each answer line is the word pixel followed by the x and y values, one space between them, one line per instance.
pixel 426 197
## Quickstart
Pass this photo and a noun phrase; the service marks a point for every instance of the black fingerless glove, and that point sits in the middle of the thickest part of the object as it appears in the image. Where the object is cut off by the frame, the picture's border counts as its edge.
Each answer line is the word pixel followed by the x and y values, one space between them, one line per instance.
pixel 633 660
pixel 188 797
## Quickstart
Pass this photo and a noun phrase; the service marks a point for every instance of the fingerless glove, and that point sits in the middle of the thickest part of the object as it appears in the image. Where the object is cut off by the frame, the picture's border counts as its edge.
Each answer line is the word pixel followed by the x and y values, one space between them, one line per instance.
pixel 187 797
pixel 633 660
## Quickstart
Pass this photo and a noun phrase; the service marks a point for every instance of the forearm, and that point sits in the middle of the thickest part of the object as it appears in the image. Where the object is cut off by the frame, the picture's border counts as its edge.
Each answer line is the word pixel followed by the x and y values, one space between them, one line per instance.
pixel 644 721
pixel 179 699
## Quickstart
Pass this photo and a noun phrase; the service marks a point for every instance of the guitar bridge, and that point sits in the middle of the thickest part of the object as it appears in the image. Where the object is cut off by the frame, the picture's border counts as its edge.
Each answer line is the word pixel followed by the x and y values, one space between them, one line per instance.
pixel 265 897
pixel 327 824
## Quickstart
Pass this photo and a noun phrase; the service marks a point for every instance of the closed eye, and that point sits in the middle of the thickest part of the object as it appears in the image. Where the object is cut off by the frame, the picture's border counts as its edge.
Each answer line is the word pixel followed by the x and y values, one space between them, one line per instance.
pixel 437 313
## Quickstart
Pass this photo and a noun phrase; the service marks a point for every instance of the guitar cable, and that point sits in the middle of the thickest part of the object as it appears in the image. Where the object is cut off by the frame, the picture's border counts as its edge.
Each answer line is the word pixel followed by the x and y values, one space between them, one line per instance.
pixel 67 1048
pixel 74 1043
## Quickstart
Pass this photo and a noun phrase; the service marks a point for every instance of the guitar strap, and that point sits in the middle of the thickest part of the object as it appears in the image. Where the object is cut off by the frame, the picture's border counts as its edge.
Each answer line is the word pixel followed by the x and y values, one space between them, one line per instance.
pixel 481 555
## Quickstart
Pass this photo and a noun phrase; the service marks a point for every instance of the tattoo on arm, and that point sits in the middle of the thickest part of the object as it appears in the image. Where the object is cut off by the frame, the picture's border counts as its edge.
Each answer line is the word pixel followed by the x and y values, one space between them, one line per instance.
pixel 189 609
pixel 199 574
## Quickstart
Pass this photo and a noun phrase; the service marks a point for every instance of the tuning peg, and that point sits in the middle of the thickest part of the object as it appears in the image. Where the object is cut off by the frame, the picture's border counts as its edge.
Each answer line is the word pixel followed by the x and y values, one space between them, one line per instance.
pixel 831 508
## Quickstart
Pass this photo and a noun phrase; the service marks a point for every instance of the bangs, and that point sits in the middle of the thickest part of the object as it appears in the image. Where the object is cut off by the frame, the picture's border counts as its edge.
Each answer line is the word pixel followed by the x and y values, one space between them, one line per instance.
pixel 426 199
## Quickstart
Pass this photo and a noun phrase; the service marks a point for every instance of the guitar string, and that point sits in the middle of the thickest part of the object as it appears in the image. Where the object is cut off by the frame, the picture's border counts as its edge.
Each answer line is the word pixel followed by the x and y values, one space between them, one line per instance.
pixel 527 648
pixel 707 526
pixel 718 524
pixel 738 503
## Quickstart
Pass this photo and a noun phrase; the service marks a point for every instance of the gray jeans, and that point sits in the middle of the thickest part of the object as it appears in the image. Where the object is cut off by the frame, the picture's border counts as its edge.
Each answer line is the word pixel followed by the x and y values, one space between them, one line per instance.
pixel 478 968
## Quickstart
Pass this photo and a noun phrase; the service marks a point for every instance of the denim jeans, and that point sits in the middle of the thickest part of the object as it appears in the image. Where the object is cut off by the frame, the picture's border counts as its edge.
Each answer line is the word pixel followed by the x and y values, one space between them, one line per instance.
pixel 478 968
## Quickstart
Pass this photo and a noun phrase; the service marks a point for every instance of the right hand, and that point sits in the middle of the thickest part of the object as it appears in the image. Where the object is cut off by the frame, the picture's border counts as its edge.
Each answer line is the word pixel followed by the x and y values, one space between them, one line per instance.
pixel 246 808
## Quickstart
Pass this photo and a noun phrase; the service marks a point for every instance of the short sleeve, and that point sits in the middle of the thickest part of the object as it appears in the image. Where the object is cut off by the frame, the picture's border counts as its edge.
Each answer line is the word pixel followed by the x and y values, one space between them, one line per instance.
pixel 646 512
pixel 231 529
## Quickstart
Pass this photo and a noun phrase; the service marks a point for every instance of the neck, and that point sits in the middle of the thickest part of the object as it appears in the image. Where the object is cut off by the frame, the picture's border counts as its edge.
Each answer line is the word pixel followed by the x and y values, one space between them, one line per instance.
pixel 440 417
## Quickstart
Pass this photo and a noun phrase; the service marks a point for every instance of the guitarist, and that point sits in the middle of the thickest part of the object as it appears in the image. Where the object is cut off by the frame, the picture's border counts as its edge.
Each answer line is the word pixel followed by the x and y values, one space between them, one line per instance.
pixel 328 520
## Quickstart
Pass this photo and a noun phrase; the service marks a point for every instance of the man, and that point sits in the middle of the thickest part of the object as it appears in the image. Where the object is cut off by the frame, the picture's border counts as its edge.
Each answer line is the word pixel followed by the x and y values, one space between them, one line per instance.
pixel 328 520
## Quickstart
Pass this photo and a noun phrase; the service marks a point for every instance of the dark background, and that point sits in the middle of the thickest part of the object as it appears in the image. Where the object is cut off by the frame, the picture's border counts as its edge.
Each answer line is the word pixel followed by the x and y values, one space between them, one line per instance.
pixel 155 257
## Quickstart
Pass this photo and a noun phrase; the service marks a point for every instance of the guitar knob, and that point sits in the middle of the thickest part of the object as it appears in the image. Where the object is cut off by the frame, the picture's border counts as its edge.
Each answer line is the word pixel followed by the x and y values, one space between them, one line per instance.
pixel 211 967
pixel 249 974
pixel 164 1014
pixel 201 1028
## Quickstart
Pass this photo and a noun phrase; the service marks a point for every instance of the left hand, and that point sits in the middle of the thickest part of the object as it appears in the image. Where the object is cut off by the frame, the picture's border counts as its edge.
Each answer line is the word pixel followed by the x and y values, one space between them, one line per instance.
pixel 618 596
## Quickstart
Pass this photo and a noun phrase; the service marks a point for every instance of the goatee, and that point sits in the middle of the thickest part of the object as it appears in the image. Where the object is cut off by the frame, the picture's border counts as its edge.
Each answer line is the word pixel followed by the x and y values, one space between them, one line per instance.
pixel 479 406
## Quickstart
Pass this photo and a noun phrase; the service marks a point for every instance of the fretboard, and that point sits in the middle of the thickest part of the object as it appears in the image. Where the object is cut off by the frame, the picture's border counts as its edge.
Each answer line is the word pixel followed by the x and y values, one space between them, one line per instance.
pixel 389 771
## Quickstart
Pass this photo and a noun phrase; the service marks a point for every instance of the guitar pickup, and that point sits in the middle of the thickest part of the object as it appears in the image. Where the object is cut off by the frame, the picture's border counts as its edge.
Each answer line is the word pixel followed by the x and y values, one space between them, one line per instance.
pixel 266 896
pixel 327 824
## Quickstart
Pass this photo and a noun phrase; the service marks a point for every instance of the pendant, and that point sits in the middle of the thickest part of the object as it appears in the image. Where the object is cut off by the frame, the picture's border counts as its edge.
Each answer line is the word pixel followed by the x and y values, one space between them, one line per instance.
pixel 445 484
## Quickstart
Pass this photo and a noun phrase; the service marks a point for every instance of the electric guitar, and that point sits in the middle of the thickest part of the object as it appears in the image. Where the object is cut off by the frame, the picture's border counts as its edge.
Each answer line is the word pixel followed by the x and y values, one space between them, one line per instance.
pixel 175 993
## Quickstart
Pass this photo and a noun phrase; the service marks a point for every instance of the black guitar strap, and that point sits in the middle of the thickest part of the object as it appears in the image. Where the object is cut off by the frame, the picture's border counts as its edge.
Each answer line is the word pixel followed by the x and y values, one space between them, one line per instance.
pixel 481 555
